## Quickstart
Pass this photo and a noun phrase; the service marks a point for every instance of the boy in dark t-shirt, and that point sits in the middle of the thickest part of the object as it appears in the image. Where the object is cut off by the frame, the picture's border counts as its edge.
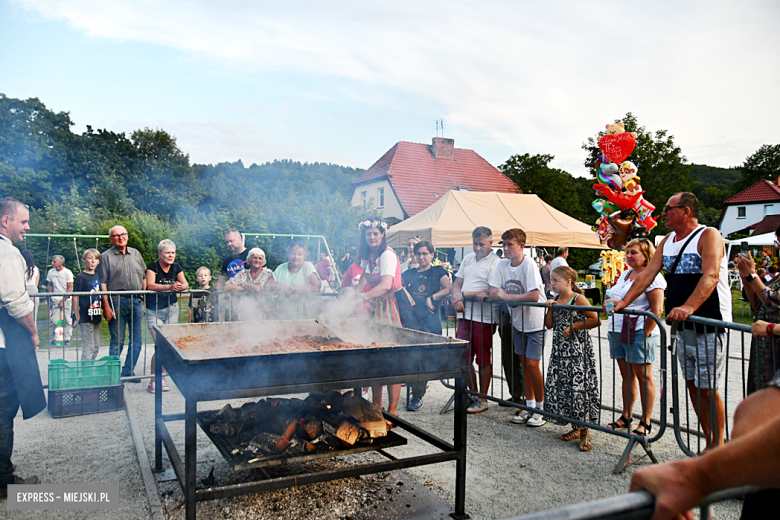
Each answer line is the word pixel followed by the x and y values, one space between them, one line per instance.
pixel 204 307
pixel 88 312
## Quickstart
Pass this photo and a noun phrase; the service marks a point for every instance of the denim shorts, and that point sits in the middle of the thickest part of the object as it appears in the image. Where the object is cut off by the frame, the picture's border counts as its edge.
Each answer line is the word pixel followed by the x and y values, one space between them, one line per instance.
pixel 636 352
pixel 529 344
pixel 169 314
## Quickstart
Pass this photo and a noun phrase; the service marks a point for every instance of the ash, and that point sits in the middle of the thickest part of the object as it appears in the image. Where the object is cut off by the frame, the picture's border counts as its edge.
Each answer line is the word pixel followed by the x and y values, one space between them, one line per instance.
pixel 366 497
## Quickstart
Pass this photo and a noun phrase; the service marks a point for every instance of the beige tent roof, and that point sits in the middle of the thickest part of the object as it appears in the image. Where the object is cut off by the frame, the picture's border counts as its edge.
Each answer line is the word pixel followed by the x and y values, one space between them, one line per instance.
pixel 450 221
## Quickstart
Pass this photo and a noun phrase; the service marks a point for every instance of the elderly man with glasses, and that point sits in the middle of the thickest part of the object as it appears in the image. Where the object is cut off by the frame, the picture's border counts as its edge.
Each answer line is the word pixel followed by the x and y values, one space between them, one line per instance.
pixel 695 264
pixel 123 269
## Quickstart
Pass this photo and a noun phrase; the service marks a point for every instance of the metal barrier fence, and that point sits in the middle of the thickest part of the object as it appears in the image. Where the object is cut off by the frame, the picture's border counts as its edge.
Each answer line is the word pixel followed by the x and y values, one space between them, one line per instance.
pixel 132 318
pixel 509 389
pixel 715 355
pixel 638 505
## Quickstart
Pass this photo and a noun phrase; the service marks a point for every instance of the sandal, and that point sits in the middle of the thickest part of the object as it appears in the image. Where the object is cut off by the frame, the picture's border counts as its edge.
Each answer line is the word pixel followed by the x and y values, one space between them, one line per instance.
pixel 622 423
pixel 646 432
pixel 572 435
pixel 585 444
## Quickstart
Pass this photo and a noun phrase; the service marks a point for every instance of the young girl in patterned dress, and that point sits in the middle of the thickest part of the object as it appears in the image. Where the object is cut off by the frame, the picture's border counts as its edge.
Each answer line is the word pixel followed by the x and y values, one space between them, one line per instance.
pixel 571 388
pixel 382 272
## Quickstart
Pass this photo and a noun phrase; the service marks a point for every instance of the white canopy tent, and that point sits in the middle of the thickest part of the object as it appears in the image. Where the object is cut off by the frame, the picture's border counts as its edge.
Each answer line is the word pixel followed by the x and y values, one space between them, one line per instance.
pixel 767 239
pixel 450 220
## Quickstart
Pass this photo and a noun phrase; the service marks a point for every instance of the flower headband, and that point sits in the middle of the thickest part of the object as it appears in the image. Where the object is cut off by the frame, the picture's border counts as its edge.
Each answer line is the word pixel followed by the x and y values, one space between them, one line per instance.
pixel 374 224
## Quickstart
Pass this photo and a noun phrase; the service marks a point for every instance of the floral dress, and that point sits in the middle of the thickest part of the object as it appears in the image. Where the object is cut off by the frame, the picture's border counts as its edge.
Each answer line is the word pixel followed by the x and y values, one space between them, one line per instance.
pixel 245 277
pixel 572 387
pixel 765 351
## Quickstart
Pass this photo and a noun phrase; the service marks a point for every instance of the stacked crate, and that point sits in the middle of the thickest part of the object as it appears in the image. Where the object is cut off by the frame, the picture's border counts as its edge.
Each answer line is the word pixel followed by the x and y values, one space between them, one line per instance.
pixel 85 387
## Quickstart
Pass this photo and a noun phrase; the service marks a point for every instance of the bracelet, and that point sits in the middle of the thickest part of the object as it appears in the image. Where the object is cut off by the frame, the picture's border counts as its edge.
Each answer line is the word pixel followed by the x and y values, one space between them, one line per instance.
pixel 770 330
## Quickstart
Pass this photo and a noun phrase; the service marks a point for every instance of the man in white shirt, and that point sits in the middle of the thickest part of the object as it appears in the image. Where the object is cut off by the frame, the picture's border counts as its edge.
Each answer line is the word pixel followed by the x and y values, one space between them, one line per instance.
pixel 20 379
pixel 517 279
pixel 477 322
pixel 560 258
pixel 60 280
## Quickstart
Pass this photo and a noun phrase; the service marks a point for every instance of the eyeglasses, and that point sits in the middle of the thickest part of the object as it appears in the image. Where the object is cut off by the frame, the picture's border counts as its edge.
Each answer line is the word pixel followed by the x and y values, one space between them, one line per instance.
pixel 119 235
pixel 667 208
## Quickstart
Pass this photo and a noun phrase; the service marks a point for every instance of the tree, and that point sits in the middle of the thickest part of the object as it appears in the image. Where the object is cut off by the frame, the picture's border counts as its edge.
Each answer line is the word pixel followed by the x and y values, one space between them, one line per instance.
pixel 555 187
pixel 763 164
pixel 661 165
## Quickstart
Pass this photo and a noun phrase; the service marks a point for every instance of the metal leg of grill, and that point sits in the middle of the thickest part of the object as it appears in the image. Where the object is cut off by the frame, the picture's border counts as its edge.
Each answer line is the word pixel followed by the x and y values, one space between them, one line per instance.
pixel 190 447
pixel 158 445
pixel 460 447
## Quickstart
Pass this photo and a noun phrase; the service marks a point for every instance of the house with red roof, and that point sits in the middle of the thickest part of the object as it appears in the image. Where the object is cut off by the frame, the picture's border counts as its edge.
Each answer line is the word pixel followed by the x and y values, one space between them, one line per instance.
pixel 409 177
pixel 746 210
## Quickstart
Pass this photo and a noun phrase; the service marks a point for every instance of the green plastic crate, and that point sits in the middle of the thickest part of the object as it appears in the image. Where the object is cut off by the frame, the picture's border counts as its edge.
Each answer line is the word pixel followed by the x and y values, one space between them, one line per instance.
pixel 64 375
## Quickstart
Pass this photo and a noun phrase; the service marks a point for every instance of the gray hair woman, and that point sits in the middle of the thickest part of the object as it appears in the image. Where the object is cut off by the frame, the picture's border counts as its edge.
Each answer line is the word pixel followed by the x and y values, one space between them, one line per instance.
pixel 257 277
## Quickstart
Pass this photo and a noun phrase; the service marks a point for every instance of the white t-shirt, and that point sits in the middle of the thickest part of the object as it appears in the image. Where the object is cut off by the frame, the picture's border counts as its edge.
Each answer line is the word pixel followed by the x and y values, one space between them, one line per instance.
pixel 518 280
pixel 476 277
pixel 59 281
pixel 621 288
pixel 558 260
pixel 386 265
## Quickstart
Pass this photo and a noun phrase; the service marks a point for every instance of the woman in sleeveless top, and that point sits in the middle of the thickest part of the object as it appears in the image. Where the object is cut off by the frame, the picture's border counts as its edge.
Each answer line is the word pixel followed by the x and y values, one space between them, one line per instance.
pixel 32 278
pixel 382 272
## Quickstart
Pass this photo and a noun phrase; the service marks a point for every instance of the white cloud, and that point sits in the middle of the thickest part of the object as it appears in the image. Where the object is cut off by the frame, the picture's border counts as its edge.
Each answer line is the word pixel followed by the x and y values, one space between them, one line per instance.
pixel 534 77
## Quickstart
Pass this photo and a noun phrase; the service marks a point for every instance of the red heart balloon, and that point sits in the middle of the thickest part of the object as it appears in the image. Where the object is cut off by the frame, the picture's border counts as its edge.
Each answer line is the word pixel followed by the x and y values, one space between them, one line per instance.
pixel 617 148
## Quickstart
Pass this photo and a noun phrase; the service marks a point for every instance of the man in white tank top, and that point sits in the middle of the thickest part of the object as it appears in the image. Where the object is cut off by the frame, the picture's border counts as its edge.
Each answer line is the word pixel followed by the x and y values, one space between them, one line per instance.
pixel 698 286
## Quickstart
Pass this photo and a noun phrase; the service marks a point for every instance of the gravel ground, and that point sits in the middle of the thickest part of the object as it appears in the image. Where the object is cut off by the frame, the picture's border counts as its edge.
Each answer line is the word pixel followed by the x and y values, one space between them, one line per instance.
pixel 512 469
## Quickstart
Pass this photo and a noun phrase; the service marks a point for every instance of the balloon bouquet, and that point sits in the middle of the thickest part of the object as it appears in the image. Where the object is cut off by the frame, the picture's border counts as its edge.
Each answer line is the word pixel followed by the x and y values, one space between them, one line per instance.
pixel 625 214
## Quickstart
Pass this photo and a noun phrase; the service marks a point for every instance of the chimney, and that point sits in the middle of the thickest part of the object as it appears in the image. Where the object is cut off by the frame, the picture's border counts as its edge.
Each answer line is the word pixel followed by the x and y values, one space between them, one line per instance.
pixel 443 148
pixel 777 181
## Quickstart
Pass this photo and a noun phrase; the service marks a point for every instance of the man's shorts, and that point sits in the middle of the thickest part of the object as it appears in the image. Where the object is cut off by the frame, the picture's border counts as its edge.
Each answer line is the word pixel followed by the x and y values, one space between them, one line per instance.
pixel 638 352
pixel 480 338
pixel 168 315
pixel 702 357
pixel 529 344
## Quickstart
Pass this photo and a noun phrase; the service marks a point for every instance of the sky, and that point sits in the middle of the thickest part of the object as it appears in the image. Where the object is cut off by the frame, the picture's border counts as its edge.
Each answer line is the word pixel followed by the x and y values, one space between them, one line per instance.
pixel 343 81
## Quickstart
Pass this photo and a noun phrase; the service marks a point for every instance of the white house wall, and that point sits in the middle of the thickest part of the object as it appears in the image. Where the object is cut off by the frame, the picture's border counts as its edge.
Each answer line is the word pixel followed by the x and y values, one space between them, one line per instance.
pixel 754 213
pixel 391 208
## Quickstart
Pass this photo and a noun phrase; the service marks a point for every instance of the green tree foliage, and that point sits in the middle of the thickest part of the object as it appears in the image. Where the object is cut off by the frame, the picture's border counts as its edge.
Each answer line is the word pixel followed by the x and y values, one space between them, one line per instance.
pixel 84 184
pixel 661 164
pixel 763 164
pixel 556 187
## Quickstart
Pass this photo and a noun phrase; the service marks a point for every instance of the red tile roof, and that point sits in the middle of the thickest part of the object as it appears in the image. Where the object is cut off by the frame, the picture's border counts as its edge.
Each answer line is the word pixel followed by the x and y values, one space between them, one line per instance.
pixel 417 176
pixel 768 225
pixel 762 191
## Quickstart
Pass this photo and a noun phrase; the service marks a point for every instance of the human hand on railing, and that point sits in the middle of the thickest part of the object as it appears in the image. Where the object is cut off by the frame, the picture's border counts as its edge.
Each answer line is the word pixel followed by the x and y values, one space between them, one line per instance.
pixel 617 305
pixel 680 313
pixel 746 265
pixel 674 487
pixel 549 303
pixel 482 295
pixel 761 328
pixel 178 286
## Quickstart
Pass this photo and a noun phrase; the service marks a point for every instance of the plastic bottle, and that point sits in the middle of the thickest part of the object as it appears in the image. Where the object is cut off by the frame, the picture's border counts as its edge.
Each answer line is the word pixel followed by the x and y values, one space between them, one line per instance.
pixel 609 305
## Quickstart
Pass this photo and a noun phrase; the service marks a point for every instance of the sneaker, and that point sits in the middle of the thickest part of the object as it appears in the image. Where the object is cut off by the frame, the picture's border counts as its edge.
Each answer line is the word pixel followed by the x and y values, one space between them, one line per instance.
pixel 19 480
pixel 415 404
pixel 536 420
pixel 521 417
pixel 67 343
pixel 151 386
pixel 479 406
pixel 165 386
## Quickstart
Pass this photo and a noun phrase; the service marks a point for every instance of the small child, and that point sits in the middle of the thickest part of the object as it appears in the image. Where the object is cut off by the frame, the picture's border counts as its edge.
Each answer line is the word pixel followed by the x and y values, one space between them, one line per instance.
pixel 88 314
pixel 572 388
pixel 204 307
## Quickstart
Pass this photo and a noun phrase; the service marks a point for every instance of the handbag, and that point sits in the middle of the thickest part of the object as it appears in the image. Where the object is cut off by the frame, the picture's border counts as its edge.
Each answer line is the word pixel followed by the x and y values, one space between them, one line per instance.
pixel 628 330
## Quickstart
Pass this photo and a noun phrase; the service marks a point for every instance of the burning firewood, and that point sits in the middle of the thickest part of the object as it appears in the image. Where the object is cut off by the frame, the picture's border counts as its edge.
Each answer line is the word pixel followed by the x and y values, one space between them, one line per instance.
pixel 367 415
pixel 309 428
pixel 348 433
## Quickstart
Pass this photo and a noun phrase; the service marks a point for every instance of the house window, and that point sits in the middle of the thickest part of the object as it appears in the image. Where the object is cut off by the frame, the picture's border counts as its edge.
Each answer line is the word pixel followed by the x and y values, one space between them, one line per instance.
pixel 741 211
pixel 380 195
pixel 769 209
pixel 461 188
pixel 363 196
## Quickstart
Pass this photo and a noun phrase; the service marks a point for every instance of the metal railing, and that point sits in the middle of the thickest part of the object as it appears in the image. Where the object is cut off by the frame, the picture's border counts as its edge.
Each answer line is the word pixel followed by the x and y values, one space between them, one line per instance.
pixel 508 391
pixel 638 505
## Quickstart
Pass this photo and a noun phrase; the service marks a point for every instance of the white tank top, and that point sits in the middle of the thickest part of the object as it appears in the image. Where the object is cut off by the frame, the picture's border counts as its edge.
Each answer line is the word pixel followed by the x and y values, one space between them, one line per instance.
pixel 690 263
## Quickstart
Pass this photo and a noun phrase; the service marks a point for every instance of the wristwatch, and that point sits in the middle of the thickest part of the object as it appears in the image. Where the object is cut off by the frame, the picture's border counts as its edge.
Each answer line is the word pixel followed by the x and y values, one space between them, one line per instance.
pixel 752 276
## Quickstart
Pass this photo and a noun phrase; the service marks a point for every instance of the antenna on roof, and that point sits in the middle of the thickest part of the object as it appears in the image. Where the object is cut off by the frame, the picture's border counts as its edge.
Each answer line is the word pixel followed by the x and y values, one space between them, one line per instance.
pixel 442 127
pixel 437 128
